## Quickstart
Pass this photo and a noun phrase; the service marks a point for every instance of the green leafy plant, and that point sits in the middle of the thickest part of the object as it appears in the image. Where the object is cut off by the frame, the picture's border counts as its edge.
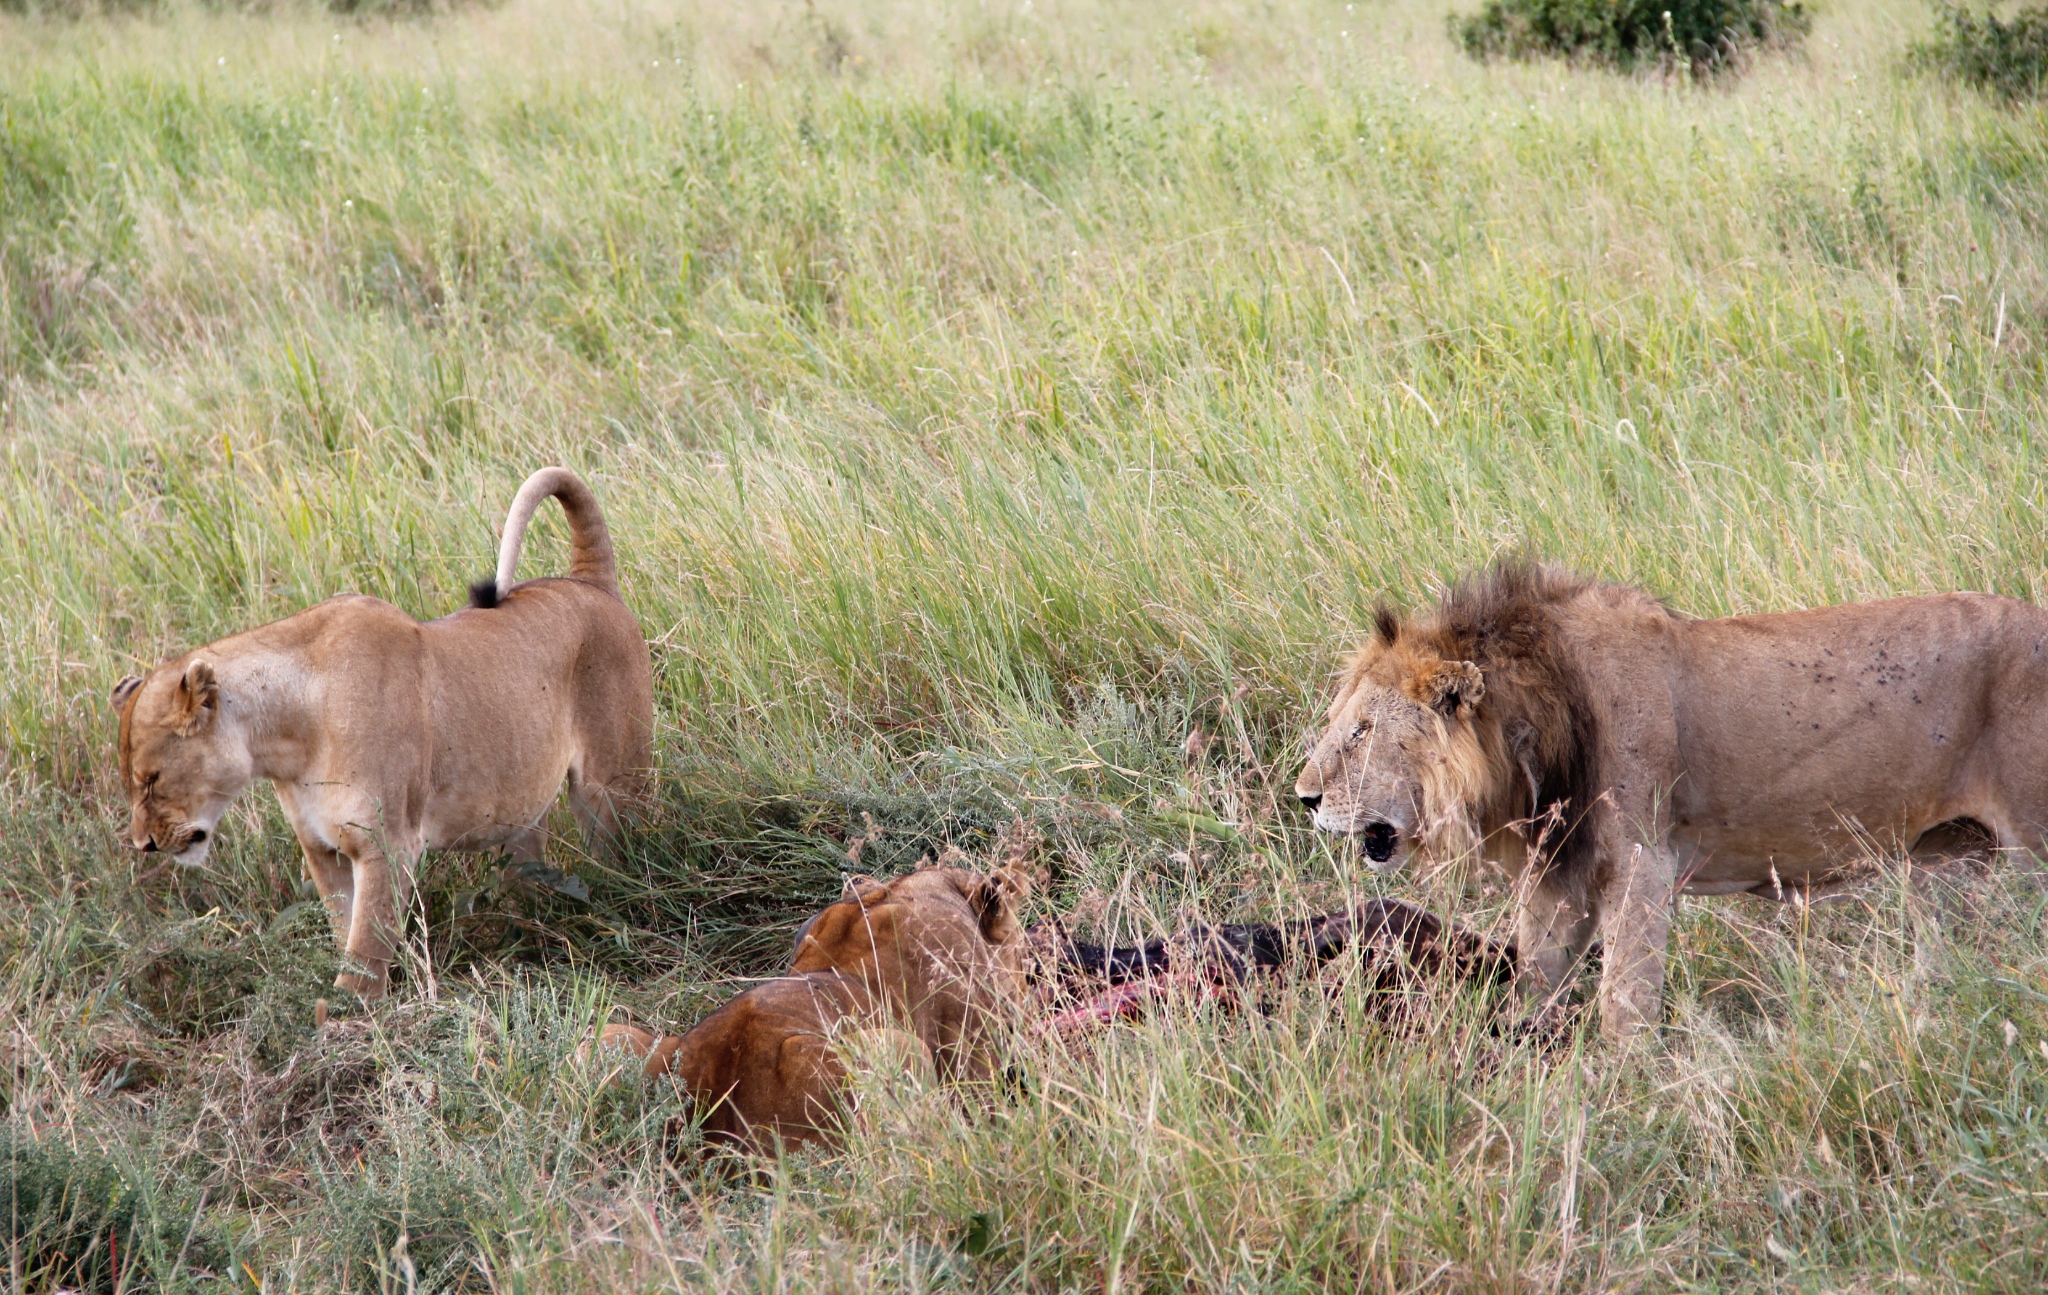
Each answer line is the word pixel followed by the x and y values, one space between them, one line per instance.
pixel 2008 58
pixel 77 1220
pixel 408 1222
pixel 1699 36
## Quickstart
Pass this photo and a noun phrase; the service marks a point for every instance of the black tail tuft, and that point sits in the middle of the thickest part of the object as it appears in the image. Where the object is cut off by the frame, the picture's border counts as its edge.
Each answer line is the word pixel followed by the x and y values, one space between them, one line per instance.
pixel 484 593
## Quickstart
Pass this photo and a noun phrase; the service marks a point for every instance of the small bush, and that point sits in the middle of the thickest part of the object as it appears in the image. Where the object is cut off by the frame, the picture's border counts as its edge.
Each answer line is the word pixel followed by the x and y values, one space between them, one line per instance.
pixel 75 1220
pixel 1700 36
pixel 84 9
pixel 404 1222
pixel 2007 58
pixel 395 9
pixel 73 8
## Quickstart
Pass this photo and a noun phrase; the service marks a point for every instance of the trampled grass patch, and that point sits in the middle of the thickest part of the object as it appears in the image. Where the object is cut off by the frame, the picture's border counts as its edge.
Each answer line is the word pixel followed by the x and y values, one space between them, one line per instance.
pixel 985 397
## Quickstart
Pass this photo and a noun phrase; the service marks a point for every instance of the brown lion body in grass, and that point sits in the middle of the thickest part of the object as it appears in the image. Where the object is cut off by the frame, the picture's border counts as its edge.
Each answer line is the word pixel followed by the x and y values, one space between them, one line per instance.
pixel 922 973
pixel 386 737
pixel 1611 752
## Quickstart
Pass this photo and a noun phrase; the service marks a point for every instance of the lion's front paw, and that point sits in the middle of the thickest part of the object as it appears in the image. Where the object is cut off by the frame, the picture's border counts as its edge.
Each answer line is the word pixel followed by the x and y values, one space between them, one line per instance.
pixel 1548 1027
pixel 366 985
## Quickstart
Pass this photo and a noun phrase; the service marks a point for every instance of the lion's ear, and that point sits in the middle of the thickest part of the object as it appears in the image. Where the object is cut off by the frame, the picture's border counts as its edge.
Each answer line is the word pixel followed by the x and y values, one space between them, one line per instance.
pixel 1453 687
pixel 198 700
pixel 1015 883
pixel 1386 626
pixel 996 900
pixel 126 689
pixel 860 888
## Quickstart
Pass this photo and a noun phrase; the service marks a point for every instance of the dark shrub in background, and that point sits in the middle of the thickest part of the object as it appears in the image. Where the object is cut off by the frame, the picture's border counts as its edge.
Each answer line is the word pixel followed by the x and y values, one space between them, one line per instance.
pixel 2007 58
pixel 73 9
pixel 1699 36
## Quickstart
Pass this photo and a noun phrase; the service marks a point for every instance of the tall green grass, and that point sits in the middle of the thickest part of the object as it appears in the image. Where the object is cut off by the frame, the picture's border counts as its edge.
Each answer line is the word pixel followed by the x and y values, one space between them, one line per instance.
pixel 984 395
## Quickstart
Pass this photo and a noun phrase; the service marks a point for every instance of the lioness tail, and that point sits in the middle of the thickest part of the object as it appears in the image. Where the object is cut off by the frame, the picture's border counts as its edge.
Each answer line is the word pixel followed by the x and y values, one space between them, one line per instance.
pixel 590 543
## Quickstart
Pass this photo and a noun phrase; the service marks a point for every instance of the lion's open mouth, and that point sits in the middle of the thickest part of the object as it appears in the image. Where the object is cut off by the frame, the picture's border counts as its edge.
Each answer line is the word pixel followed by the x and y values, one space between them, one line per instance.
pixel 1379 840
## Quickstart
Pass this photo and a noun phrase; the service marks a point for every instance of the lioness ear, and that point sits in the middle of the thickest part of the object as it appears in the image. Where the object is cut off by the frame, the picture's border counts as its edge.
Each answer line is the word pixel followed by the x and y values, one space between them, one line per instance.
pixel 995 901
pixel 198 700
pixel 1453 687
pixel 125 689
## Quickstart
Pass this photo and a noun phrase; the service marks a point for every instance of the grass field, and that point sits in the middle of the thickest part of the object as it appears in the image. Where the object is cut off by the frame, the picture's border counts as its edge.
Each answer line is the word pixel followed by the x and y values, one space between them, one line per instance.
pixel 985 395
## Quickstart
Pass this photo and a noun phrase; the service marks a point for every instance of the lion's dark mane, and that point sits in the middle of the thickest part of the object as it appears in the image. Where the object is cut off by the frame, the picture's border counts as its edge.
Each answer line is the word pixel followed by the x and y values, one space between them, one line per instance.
pixel 1505 619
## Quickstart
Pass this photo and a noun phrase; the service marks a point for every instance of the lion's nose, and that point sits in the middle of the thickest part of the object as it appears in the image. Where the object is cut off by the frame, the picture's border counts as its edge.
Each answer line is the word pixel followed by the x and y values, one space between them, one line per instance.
pixel 1310 800
pixel 148 845
pixel 1380 839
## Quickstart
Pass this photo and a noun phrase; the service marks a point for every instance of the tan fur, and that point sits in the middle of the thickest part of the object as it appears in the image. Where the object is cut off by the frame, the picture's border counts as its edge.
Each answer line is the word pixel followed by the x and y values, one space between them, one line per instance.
pixel 1612 753
pixel 386 737
pixel 921 973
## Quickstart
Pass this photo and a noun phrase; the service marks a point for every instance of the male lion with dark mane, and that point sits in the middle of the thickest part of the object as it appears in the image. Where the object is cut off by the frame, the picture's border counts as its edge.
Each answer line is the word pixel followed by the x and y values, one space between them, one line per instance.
pixel 386 737
pixel 1612 752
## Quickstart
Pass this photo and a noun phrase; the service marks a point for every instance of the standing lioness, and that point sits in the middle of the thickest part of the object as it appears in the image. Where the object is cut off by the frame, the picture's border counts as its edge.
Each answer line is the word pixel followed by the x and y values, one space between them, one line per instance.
pixel 386 737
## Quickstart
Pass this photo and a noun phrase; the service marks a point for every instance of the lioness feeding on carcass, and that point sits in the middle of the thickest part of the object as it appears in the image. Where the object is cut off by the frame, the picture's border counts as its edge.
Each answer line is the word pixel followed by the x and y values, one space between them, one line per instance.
pixel 931 972
pixel 1611 752
pixel 386 737
pixel 926 969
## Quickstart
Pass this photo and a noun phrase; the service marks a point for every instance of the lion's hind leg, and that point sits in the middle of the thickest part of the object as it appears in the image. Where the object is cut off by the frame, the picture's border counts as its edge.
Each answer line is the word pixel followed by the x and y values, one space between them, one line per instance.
pixel 616 1046
pixel 805 1100
pixel 599 810
pixel 612 762
pixel 529 846
pixel 525 855
pixel 608 788
pixel 1944 868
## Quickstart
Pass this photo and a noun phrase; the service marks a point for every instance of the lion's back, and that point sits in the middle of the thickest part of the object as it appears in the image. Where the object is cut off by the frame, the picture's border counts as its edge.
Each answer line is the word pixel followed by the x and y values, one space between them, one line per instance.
pixel 763 1062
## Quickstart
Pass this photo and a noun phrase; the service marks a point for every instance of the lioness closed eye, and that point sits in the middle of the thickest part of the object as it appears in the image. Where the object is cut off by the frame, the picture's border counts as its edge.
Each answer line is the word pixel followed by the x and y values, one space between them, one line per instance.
pixel 1612 752
pixel 386 736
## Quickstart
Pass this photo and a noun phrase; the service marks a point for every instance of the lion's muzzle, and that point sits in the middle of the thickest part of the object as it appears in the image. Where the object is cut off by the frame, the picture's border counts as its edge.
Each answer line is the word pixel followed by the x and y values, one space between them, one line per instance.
pixel 186 845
